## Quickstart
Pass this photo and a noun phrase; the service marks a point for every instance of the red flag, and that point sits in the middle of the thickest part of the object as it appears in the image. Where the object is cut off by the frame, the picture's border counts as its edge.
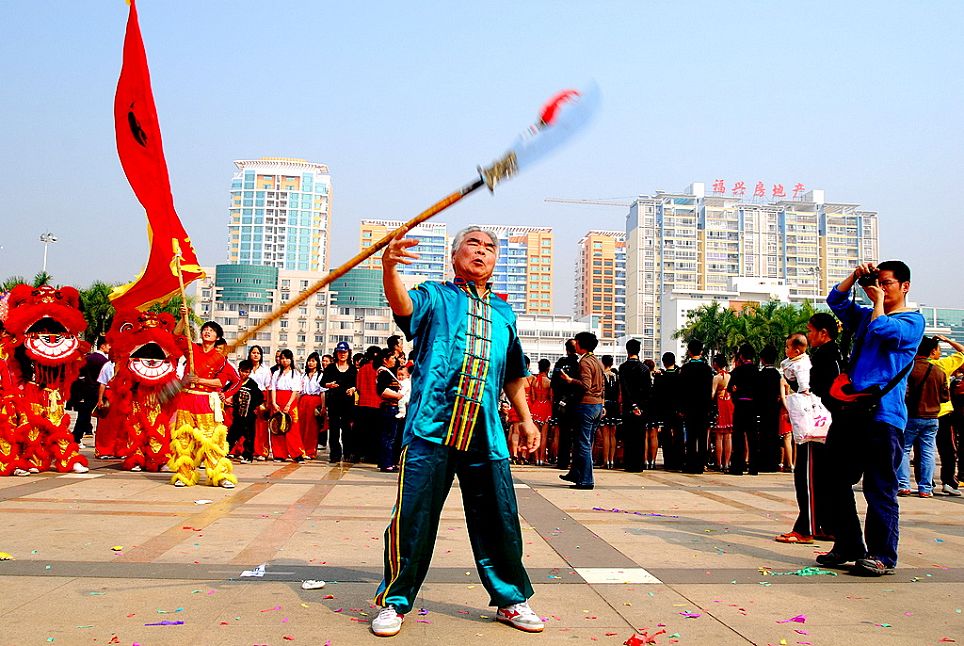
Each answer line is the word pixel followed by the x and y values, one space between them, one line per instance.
pixel 142 156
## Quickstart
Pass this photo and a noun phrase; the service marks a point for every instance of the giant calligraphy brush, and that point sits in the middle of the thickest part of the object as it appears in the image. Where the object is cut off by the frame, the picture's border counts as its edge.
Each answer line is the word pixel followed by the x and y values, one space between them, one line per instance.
pixel 559 119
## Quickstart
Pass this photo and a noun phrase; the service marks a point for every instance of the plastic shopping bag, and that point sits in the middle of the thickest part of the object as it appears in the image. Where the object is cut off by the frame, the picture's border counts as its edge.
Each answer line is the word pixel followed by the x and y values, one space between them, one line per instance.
pixel 809 417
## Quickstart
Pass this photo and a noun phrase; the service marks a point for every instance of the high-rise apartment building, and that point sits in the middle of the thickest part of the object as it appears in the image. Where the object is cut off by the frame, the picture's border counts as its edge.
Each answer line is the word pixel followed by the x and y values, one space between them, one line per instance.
pixel 692 241
pixel 523 271
pixel 601 280
pixel 433 247
pixel 280 214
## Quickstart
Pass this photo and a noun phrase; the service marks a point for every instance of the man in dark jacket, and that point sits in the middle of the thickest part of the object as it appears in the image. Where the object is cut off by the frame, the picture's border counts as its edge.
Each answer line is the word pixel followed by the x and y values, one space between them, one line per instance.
pixel 666 406
pixel 743 386
pixel 697 388
pixel 769 406
pixel 562 401
pixel 635 383
pixel 89 388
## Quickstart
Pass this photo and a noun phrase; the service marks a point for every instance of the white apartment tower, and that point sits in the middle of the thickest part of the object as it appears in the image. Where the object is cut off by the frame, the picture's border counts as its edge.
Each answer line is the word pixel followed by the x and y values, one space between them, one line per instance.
pixel 280 214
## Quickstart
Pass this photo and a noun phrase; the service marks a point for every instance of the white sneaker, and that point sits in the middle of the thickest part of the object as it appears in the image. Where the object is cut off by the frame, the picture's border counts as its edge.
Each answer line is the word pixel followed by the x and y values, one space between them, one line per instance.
pixel 136 467
pixel 80 445
pixel 21 472
pixel 165 469
pixel 79 468
pixel 951 491
pixel 33 470
pixel 226 484
pixel 179 483
pixel 312 584
pixel 521 616
pixel 387 623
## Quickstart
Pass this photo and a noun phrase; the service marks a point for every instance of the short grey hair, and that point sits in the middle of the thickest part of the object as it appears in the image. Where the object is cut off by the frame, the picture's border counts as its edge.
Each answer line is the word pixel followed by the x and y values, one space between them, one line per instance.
pixel 460 238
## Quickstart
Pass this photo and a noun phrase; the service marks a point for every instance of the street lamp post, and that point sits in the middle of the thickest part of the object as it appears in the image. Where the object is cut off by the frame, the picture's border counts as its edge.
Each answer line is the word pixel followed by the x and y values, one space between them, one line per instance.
pixel 48 239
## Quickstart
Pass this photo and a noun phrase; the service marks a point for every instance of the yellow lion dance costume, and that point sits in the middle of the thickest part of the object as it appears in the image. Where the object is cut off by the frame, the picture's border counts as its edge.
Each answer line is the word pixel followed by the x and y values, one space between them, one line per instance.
pixel 197 431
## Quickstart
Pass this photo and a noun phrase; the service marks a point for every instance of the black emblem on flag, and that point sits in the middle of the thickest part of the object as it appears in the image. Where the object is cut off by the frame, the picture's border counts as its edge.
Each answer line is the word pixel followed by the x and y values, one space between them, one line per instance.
pixel 139 135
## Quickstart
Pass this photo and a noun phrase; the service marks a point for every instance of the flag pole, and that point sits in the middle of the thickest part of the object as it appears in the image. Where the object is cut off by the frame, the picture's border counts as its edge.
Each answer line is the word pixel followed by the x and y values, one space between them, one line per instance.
pixel 187 319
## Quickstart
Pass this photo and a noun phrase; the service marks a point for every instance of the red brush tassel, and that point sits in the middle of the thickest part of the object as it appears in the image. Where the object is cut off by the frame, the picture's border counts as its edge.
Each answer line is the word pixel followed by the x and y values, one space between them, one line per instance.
pixel 551 109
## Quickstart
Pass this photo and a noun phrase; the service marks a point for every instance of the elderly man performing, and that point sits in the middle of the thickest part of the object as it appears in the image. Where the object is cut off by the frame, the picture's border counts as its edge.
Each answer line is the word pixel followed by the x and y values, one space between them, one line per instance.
pixel 466 352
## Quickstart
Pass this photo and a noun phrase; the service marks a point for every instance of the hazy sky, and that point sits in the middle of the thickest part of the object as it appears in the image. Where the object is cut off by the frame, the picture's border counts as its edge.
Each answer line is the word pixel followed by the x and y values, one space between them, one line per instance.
pixel 403 100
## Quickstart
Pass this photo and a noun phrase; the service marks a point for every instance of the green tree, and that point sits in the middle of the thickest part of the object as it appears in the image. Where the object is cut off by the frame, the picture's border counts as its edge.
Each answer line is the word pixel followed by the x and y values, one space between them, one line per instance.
pixel 173 307
pixel 706 323
pixel 95 302
pixel 12 282
pixel 723 331
pixel 42 278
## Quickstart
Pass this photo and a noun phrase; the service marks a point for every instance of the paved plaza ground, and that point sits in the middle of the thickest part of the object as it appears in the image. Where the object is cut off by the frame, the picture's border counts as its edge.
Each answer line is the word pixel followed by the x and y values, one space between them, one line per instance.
pixel 100 557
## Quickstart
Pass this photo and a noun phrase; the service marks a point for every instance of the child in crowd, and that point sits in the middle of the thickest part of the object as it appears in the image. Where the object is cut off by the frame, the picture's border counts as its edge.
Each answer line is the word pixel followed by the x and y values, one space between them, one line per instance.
pixel 245 401
pixel 404 381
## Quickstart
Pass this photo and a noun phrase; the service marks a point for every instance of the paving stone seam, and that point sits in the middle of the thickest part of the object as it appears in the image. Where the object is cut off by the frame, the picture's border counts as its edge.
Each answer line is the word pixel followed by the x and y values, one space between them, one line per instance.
pixel 267 543
pixel 153 548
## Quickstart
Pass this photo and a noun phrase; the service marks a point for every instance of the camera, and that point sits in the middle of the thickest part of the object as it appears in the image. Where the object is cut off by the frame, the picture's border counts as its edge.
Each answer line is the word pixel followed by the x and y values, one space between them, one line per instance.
pixel 868 279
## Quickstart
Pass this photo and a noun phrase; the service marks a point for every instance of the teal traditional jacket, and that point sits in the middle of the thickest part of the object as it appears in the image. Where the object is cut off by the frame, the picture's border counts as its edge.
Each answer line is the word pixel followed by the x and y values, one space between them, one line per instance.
pixel 466 349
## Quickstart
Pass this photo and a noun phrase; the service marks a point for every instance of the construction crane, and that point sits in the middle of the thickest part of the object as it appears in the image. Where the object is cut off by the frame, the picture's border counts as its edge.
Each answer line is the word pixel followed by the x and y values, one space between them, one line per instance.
pixel 617 201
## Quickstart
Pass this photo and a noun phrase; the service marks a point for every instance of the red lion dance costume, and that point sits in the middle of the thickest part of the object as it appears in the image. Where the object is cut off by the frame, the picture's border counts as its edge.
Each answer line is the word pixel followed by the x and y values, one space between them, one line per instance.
pixel 43 325
pixel 145 382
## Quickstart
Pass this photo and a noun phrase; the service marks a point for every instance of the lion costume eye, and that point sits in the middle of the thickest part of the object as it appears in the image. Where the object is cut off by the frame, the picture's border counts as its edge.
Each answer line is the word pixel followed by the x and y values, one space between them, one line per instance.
pixel 126 326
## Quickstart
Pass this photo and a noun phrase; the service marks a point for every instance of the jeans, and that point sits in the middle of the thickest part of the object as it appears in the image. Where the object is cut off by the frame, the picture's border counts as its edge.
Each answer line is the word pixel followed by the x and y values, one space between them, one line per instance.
pixel 924 431
pixel 585 420
pixel 947 449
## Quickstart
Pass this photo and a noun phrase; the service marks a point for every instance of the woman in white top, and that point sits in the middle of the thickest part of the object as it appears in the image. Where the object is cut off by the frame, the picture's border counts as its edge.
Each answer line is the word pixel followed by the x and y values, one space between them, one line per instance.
pixel 312 397
pixel 262 376
pixel 285 390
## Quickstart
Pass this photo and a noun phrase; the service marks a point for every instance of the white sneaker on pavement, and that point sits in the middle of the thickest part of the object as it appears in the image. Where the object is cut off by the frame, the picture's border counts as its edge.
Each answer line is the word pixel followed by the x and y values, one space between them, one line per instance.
pixel 226 484
pixel 387 623
pixel 950 491
pixel 312 584
pixel 521 616
pixel 79 468
pixel 21 472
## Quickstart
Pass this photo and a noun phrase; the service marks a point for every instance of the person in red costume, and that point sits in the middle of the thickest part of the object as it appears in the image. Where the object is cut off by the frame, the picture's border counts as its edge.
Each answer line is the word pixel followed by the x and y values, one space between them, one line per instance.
pixel 43 327
pixel 197 431
pixel 145 353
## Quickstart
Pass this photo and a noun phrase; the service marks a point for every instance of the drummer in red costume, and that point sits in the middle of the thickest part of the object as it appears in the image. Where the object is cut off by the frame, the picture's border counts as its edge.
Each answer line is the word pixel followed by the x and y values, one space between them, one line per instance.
pixel 197 430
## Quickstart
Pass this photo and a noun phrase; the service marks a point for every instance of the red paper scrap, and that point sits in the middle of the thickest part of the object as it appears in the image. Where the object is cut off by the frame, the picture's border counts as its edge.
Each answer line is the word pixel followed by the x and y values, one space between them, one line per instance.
pixel 642 639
